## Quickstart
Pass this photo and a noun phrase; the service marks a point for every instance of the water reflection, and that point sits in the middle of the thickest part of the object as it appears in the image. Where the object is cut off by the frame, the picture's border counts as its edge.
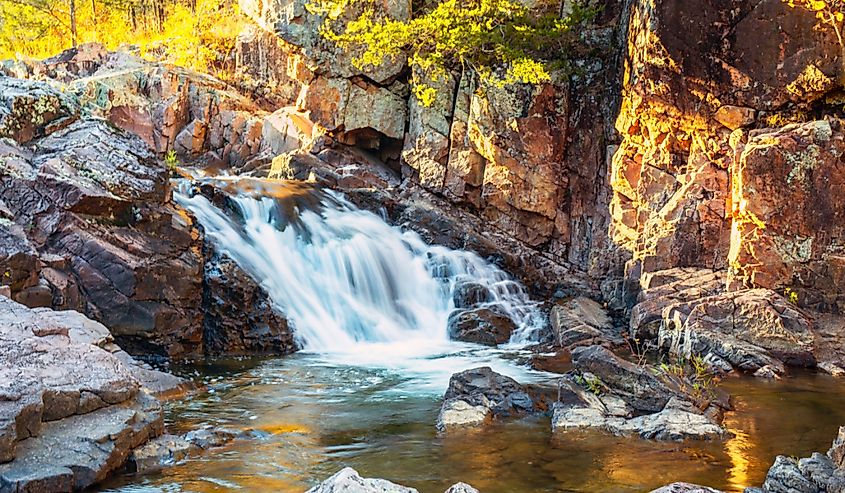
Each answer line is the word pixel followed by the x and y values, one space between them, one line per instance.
pixel 315 417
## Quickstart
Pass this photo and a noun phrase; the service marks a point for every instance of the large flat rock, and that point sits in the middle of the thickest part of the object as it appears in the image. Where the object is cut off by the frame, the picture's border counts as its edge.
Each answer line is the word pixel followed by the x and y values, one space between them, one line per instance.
pixel 71 406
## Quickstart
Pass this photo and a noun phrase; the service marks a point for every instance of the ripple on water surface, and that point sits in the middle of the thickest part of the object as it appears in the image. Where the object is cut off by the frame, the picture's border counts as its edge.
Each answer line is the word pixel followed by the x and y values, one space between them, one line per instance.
pixel 315 416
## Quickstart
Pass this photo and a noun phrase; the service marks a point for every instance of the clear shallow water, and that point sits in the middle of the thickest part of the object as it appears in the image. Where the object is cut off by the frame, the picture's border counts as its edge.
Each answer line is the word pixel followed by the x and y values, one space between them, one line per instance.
pixel 318 416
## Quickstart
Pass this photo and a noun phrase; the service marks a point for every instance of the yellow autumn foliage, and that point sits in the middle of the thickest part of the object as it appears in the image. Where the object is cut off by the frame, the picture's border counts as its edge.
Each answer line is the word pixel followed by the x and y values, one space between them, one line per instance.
pixel 199 36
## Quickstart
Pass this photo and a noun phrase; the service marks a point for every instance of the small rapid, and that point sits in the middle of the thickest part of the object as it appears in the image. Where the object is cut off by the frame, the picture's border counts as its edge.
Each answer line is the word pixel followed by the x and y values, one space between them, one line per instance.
pixel 345 278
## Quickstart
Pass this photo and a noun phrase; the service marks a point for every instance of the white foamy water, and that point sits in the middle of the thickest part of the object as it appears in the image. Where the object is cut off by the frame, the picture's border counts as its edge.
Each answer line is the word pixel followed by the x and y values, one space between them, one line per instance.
pixel 353 286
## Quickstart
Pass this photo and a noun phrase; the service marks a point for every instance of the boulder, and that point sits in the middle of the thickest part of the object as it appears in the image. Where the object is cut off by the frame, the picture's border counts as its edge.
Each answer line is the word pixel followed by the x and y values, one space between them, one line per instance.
pixel 502 395
pixel 349 481
pixel 461 488
pixel 469 294
pixel 817 473
pixel 685 488
pixel 670 424
pixel 797 249
pixel 455 413
pixel 480 395
pixel 785 477
pixel 582 321
pixel 486 326
pixel 637 385
pixel 598 406
pixel 607 392
pixel 76 452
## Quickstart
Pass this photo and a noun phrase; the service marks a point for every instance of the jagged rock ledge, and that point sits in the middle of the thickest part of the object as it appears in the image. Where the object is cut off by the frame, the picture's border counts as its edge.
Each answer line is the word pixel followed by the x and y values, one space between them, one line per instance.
pixel 73 405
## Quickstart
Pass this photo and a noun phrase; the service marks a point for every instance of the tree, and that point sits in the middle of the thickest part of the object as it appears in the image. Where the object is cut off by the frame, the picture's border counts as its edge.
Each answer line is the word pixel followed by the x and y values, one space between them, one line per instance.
pixel 501 40
pixel 73 32
pixel 830 13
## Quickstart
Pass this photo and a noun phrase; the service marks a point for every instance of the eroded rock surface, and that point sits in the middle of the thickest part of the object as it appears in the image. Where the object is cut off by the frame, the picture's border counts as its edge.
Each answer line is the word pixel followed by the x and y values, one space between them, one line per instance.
pixel 70 411
pixel 87 224
pixel 607 392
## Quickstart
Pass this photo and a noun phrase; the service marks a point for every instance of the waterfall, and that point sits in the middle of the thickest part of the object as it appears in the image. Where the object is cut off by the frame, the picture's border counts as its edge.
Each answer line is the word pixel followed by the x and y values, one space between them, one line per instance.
pixel 343 276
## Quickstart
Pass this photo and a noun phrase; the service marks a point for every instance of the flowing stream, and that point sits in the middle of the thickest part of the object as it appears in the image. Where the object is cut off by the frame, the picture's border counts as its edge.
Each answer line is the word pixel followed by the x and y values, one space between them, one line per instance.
pixel 348 282
pixel 370 304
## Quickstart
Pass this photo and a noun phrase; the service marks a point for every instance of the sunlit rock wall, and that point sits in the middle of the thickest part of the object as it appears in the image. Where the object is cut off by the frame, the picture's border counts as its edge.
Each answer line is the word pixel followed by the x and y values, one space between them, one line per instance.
pixel 700 179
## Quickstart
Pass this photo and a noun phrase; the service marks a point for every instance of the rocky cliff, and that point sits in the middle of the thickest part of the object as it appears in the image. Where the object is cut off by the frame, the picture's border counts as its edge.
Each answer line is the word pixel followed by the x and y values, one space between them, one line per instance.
pixel 701 136
pixel 85 204
pixel 690 114
pixel 714 155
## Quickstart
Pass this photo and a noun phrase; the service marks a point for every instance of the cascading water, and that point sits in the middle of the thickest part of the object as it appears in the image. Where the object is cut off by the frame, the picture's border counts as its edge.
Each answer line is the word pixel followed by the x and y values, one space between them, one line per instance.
pixel 343 276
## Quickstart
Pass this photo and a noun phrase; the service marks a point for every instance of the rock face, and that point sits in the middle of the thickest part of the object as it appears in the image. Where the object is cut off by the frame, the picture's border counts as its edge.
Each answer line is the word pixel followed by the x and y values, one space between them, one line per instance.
pixel 690 184
pixel 749 329
pixel 95 202
pixel 87 224
pixel 71 412
pixel 710 174
pixel 688 312
pixel 29 110
pixel 239 318
pixel 784 195
pixel 527 161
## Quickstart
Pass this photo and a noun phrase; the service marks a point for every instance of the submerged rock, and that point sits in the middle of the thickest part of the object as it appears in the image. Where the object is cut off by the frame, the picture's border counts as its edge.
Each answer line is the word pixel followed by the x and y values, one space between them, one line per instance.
pixel 210 437
pixel 163 451
pixel 486 326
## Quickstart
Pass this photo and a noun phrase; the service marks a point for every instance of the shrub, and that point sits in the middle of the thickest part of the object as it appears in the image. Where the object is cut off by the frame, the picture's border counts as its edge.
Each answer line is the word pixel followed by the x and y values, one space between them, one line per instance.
pixel 501 40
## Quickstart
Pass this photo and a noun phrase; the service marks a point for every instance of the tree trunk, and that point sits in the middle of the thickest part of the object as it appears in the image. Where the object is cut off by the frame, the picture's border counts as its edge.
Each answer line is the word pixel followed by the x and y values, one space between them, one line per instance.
pixel 73 22
pixel 94 18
